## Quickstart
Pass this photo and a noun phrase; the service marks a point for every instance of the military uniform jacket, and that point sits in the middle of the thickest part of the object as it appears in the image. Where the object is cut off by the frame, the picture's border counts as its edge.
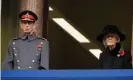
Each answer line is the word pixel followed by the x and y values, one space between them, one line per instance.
pixel 27 52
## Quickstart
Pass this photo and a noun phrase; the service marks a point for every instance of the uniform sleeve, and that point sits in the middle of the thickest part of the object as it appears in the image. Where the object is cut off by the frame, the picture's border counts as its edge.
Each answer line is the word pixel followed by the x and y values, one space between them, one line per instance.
pixel 44 62
pixel 8 61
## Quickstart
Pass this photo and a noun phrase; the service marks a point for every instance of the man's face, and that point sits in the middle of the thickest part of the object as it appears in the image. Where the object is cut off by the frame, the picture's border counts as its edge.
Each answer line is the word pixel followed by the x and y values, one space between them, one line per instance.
pixel 111 39
pixel 27 26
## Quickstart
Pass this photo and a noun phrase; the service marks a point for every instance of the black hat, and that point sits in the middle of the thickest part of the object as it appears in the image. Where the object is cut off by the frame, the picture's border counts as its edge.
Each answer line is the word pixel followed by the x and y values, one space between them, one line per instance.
pixel 28 16
pixel 110 29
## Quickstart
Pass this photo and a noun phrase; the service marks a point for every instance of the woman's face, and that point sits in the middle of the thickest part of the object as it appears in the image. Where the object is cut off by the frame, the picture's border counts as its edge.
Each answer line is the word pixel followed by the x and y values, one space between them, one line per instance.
pixel 111 39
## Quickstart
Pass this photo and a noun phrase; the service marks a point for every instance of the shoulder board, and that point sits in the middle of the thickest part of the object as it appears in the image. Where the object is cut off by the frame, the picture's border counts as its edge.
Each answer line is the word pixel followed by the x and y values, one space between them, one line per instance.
pixel 15 38
pixel 42 38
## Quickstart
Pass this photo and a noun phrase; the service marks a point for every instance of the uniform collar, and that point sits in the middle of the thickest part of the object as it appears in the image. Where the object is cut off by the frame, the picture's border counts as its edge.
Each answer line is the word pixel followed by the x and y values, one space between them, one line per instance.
pixel 28 37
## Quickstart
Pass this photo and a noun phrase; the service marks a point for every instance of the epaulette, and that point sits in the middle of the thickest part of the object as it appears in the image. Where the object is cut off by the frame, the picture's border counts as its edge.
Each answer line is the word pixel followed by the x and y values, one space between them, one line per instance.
pixel 15 38
pixel 42 38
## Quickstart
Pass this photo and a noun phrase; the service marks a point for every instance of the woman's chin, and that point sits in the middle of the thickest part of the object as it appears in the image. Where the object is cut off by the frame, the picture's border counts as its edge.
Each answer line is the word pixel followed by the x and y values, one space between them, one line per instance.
pixel 110 44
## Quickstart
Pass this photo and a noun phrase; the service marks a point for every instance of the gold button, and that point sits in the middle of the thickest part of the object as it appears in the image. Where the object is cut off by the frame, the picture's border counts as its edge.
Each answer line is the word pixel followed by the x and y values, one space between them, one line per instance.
pixel 13 42
pixel 41 42
pixel 15 54
pixel 33 61
pixel 17 60
pixel 18 67
pixel 30 67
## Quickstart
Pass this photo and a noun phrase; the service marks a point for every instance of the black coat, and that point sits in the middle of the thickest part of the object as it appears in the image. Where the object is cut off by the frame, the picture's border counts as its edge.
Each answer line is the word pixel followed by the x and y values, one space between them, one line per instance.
pixel 110 59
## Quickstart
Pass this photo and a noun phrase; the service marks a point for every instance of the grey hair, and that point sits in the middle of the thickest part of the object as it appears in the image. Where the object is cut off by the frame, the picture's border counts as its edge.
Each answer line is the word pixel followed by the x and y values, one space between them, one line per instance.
pixel 104 43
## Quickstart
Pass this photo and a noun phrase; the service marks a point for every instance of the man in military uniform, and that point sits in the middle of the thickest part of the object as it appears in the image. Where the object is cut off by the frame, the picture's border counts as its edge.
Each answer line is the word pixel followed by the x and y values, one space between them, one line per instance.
pixel 27 51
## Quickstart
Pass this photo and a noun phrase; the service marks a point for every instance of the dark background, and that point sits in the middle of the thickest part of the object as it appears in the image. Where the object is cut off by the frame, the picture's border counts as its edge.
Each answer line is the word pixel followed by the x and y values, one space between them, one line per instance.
pixel 88 16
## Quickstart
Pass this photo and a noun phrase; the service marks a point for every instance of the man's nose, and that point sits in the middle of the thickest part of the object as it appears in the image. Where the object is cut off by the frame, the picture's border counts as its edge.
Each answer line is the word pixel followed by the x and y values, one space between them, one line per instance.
pixel 27 24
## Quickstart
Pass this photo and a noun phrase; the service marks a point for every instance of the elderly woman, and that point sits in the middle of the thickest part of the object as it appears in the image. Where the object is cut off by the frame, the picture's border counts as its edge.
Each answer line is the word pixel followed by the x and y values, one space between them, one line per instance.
pixel 114 56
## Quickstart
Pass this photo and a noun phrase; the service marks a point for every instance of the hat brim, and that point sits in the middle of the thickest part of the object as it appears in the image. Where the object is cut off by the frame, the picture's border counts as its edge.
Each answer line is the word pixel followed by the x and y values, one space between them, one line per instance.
pixel 26 19
pixel 101 36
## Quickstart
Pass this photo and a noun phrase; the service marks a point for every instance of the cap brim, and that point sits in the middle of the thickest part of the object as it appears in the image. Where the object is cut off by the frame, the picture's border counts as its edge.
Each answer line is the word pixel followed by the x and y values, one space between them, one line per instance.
pixel 26 19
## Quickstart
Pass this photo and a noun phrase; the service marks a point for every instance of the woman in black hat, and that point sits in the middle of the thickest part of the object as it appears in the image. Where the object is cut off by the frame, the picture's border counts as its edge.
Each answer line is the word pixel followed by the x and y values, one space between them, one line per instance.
pixel 114 56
